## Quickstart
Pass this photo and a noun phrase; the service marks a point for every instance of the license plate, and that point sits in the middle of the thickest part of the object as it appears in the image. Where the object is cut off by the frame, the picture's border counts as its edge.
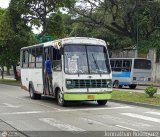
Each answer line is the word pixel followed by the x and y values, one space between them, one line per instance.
pixel 91 97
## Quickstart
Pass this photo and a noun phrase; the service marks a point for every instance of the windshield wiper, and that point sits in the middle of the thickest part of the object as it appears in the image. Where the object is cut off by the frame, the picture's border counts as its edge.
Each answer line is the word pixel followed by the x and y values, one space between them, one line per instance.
pixel 95 62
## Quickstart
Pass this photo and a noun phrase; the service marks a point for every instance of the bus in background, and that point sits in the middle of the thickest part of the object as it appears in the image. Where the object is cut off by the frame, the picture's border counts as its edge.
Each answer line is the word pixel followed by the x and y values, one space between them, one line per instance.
pixel 81 70
pixel 130 72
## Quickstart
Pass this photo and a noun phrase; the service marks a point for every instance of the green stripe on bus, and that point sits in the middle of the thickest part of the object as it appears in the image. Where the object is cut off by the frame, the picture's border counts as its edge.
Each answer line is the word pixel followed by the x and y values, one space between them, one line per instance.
pixel 78 97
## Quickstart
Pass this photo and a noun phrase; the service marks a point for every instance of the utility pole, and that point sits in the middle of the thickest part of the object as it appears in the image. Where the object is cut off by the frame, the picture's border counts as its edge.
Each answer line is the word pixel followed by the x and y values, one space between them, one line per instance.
pixel 137 39
pixel 137 33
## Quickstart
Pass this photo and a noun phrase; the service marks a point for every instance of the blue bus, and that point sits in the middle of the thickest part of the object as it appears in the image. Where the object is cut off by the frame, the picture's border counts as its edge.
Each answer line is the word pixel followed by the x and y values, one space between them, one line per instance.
pixel 130 72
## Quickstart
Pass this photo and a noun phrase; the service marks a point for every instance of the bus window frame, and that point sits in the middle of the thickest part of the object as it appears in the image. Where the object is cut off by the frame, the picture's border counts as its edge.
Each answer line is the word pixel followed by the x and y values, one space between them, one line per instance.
pixel 27 49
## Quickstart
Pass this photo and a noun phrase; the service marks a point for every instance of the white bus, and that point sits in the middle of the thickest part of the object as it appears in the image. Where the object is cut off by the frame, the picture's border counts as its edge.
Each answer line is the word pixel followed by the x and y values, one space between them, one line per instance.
pixel 130 72
pixel 81 70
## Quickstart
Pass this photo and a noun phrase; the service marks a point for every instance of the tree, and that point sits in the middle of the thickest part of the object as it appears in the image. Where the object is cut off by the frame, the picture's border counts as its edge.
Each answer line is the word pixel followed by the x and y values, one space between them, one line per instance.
pixel 38 12
pixel 55 26
pixel 121 17
pixel 14 34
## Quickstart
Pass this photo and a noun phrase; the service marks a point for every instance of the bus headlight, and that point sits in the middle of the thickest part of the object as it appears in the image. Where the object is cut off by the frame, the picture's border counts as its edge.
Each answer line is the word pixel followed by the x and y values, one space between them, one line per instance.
pixel 68 82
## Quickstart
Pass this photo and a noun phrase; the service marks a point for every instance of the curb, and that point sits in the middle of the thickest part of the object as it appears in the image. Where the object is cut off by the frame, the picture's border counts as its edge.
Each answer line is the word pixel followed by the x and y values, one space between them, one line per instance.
pixel 136 104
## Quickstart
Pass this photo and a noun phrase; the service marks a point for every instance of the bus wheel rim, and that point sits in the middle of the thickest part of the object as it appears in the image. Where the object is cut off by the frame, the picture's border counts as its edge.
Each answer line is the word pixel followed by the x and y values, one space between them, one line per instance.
pixel 60 98
pixel 31 92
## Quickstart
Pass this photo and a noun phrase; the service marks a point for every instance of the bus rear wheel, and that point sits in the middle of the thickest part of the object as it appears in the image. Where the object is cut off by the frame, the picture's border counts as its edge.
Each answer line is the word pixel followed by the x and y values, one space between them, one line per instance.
pixel 101 102
pixel 60 99
pixel 132 86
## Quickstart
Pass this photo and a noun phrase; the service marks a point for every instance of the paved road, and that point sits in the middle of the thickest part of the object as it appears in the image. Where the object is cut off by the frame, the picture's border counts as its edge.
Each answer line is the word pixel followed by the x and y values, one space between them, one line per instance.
pixel 38 118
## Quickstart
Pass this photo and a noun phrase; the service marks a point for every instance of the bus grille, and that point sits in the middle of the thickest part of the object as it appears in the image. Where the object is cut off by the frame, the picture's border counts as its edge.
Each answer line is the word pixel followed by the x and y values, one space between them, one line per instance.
pixel 88 83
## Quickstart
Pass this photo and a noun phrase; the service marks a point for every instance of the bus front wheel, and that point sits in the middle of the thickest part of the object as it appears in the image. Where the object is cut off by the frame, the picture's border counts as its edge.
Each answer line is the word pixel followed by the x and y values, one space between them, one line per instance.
pixel 116 84
pixel 101 102
pixel 60 99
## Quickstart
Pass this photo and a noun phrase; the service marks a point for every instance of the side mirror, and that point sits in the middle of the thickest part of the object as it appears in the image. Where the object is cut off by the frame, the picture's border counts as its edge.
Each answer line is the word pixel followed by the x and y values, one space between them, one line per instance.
pixel 61 50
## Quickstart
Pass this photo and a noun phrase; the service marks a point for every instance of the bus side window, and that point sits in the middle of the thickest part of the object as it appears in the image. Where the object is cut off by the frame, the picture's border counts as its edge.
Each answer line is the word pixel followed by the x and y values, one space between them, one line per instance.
pixel 32 58
pixel 118 63
pixel 57 65
pixel 38 57
pixel 126 65
pixel 25 59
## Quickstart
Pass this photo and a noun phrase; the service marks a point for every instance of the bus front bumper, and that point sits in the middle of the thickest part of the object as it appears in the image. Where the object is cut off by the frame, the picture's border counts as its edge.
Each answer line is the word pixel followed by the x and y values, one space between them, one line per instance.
pixel 85 97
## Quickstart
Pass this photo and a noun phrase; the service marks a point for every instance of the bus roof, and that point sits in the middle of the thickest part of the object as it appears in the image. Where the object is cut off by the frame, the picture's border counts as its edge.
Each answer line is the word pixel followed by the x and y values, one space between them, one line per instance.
pixel 72 40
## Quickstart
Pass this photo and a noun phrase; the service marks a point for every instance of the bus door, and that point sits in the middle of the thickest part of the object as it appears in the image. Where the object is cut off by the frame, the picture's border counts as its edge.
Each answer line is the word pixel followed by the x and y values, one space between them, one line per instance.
pixel 47 80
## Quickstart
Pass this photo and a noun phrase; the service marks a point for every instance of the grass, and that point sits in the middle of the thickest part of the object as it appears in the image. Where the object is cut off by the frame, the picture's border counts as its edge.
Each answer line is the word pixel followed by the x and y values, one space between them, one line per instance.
pixel 10 82
pixel 132 96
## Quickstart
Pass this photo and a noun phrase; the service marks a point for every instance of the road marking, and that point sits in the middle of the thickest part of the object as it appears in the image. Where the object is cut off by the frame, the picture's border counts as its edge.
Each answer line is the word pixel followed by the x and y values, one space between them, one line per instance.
pixel 10 105
pixel 142 117
pixel 61 110
pixel 93 121
pixel 126 128
pixel 92 109
pixel 103 124
pixel 154 113
pixel 21 113
pixel 60 125
pixel 119 120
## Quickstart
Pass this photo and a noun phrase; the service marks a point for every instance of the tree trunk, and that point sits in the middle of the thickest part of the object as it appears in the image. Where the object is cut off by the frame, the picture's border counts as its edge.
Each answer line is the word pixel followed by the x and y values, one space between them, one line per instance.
pixel 8 72
pixel 15 72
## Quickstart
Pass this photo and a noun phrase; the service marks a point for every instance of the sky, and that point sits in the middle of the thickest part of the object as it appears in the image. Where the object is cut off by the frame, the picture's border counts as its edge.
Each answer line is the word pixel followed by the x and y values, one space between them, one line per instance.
pixel 4 3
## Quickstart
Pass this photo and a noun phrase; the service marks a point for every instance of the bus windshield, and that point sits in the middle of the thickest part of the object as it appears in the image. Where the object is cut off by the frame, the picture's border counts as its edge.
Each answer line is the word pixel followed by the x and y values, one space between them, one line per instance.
pixel 142 64
pixel 86 59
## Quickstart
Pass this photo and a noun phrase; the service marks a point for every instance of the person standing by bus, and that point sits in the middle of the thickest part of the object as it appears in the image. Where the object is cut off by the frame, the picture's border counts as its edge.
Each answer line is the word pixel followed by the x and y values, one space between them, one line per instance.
pixel 48 72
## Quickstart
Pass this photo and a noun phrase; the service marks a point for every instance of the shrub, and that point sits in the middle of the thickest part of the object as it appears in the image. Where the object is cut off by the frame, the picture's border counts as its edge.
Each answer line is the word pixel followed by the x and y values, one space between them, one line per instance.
pixel 151 90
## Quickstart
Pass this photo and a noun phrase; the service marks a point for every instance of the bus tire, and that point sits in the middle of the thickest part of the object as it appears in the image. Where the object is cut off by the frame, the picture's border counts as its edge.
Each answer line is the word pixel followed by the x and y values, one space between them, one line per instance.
pixel 101 102
pixel 132 86
pixel 38 96
pixel 60 99
pixel 116 84
pixel 32 93
pixel 120 86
